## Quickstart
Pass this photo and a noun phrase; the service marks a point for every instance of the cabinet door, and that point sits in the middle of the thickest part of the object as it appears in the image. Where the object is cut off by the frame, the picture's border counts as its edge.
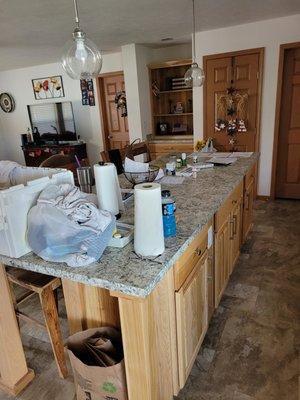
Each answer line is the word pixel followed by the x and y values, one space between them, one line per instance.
pixel 235 234
pixel 222 259
pixel 192 317
pixel 248 209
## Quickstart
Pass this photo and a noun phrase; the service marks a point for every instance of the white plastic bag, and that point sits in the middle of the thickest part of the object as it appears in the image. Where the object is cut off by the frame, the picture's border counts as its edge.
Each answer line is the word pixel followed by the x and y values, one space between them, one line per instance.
pixel 54 233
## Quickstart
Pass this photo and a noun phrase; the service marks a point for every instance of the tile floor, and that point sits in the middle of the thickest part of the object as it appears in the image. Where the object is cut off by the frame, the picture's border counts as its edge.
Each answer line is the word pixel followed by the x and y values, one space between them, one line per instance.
pixel 251 350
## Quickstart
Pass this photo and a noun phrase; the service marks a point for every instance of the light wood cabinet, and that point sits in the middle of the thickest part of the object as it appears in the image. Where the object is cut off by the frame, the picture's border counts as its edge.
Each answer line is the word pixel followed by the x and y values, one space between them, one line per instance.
pixel 191 317
pixel 236 233
pixel 222 258
pixel 164 148
pixel 248 209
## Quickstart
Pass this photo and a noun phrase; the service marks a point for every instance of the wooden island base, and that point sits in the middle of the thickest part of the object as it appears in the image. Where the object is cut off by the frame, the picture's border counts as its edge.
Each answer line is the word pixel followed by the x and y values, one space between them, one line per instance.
pixel 14 373
pixel 163 332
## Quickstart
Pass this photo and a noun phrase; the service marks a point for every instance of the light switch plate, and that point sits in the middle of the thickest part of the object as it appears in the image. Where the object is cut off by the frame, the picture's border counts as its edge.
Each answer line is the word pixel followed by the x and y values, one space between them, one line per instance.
pixel 210 237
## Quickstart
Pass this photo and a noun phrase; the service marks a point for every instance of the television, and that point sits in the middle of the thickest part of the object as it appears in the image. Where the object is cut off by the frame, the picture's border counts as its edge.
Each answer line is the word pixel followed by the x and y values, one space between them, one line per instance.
pixel 52 122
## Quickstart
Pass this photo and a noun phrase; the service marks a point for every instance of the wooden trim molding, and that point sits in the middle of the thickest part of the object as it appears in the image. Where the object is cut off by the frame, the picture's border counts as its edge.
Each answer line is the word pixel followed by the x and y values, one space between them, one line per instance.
pixel 172 63
pixel 282 50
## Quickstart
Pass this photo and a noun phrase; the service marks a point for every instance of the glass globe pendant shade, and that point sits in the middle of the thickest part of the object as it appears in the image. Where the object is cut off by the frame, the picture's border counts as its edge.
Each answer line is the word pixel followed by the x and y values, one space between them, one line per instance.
pixel 81 58
pixel 194 76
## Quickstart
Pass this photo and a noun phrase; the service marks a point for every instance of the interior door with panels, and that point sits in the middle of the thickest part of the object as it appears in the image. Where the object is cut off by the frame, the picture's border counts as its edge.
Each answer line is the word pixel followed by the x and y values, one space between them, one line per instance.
pixel 115 126
pixel 238 72
pixel 288 162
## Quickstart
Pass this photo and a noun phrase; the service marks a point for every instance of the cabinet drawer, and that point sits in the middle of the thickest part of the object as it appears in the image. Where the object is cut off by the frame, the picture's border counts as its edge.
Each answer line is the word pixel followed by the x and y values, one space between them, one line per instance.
pixel 169 148
pixel 230 202
pixel 250 176
pixel 184 266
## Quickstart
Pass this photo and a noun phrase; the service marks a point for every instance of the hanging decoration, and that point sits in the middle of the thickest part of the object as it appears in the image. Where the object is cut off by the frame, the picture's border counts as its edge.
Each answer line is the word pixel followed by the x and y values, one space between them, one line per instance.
pixel 120 101
pixel 87 92
pixel 232 112
pixel 7 102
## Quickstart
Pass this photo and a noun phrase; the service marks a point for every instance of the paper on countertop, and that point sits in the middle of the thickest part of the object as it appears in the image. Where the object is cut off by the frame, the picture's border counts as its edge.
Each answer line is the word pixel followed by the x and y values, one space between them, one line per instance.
pixel 135 166
pixel 172 180
pixel 222 160
pixel 242 154
pixel 160 174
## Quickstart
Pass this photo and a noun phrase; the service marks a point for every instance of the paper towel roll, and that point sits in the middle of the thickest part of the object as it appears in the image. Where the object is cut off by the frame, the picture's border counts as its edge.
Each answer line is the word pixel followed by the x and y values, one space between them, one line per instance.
pixel 148 222
pixel 108 189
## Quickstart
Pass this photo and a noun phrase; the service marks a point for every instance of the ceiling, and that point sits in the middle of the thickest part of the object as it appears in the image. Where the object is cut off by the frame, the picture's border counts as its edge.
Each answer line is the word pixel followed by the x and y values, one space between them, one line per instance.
pixel 34 31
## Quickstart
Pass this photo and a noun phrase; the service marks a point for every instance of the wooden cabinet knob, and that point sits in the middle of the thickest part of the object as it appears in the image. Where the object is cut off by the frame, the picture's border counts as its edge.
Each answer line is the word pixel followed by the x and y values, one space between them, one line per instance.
pixel 198 252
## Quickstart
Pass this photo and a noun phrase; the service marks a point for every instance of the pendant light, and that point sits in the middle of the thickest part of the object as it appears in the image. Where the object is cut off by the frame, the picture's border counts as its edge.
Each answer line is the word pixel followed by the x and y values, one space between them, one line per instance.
pixel 81 58
pixel 194 76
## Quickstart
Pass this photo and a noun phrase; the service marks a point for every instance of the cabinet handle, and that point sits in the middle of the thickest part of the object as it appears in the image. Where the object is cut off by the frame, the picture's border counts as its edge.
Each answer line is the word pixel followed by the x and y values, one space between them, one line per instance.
pixel 231 229
pixel 209 278
pixel 247 197
pixel 234 224
pixel 198 252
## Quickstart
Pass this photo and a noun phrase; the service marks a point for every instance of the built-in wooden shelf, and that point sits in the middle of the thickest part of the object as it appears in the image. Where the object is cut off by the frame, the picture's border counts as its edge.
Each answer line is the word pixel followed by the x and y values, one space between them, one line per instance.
pixel 176 91
pixel 172 115
pixel 163 121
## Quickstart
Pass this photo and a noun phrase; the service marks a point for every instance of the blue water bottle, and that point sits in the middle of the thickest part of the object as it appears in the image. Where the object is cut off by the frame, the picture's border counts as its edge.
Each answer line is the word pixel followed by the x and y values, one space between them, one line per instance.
pixel 168 211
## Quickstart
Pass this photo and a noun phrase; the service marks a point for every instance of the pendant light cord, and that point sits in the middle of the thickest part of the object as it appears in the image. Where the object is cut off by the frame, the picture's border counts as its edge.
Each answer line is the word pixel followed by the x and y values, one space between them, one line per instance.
pixel 76 13
pixel 194 33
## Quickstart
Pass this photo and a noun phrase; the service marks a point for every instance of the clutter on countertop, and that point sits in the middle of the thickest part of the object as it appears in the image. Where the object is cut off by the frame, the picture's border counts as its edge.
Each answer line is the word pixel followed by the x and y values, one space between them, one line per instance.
pixel 108 188
pixel 148 223
pixel 168 212
pixel 66 226
pixel 7 173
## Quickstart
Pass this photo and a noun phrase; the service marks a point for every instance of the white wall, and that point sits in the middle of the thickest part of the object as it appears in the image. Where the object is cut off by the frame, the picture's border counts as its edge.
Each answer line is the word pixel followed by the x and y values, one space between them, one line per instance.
pixel 269 34
pixel 87 119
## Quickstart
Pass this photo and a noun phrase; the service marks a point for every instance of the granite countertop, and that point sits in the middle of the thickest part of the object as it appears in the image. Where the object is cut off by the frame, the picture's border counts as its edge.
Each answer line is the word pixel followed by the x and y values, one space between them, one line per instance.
pixel 120 269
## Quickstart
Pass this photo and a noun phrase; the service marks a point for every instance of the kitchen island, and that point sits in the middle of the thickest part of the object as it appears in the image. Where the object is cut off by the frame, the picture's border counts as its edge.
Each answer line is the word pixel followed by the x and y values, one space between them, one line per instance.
pixel 162 306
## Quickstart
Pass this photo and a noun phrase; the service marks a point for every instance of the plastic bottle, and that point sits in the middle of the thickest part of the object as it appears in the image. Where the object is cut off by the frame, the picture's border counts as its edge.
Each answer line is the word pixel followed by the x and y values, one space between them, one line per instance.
pixel 168 211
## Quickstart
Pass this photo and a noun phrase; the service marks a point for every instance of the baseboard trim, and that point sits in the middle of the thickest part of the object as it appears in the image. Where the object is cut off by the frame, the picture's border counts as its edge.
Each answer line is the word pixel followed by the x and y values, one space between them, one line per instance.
pixel 263 198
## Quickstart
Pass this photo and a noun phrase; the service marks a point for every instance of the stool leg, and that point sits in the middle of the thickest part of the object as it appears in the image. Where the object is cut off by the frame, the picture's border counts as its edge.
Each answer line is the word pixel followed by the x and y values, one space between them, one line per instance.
pixel 52 323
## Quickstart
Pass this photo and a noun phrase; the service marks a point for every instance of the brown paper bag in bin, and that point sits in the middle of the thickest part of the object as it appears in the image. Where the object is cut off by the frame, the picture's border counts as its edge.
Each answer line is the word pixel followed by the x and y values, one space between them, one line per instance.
pixel 102 346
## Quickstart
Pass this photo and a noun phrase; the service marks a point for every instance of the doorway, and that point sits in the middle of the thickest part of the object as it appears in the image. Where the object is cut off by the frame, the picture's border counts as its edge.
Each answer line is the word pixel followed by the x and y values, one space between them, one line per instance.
pixel 232 99
pixel 114 125
pixel 286 156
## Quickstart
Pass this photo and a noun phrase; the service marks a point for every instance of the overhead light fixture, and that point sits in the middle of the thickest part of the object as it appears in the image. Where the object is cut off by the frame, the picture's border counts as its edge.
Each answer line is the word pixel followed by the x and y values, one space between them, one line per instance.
pixel 194 76
pixel 81 58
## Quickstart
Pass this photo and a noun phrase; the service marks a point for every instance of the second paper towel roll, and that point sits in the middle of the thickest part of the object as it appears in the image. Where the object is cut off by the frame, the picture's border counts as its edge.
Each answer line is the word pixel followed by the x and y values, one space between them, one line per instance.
pixel 148 222
pixel 108 189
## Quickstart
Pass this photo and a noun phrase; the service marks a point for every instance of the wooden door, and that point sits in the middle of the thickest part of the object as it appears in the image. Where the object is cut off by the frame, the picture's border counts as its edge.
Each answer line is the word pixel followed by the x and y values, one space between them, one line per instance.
pixel 242 73
pixel 115 126
pixel 192 317
pixel 222 259
pixel 288 161
pixel 248 209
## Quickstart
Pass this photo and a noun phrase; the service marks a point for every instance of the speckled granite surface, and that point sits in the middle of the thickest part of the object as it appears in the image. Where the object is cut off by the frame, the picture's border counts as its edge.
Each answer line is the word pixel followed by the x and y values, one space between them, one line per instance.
pixel 120 269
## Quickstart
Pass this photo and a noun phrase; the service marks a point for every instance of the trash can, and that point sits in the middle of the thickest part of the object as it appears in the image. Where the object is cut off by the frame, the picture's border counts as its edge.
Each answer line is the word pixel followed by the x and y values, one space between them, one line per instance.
pixel 97 361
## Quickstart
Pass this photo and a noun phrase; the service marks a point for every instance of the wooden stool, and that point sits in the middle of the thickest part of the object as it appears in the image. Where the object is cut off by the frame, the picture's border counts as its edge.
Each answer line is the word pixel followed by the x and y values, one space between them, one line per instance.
pixel 45 286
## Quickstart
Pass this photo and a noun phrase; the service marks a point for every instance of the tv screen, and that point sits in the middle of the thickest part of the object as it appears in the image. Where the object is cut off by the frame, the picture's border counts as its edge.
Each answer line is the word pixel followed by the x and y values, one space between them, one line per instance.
pixel 53 121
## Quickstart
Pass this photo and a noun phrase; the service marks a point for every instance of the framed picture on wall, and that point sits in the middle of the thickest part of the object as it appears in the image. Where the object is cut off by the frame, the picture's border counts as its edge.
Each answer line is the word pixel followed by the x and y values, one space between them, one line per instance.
pixel 48 88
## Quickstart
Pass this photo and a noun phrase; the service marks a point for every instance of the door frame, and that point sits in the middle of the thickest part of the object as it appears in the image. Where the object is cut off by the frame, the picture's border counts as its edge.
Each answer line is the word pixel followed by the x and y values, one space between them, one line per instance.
pixel 102 107
pixel 261 52
pixel 283 48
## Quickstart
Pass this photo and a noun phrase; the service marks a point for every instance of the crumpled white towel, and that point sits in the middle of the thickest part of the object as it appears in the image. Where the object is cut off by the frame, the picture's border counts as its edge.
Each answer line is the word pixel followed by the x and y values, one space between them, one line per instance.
pixel 135 166
pixel 80 207
pixel 7 169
